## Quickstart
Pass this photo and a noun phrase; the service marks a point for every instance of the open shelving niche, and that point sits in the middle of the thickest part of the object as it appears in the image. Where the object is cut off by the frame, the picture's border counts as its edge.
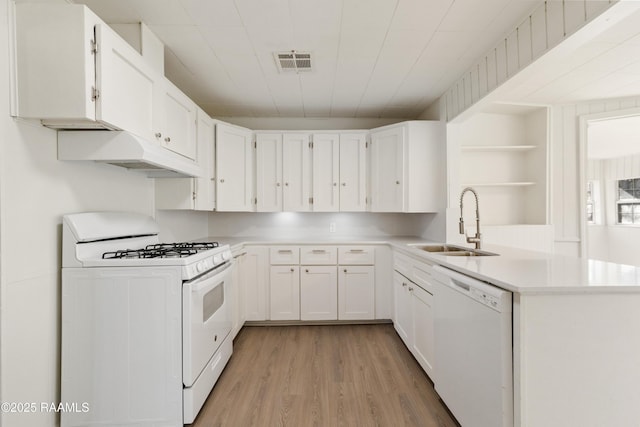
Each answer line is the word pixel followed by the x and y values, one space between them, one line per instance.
pixel 502 153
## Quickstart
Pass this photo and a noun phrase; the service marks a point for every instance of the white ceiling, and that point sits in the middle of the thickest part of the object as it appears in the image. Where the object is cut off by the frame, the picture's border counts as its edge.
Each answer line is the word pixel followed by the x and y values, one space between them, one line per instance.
pixel 373 58
pixel 613 138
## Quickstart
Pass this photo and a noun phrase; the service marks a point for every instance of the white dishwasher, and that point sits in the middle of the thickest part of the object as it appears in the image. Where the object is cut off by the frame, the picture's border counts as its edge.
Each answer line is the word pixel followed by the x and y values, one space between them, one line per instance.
pixel 473 354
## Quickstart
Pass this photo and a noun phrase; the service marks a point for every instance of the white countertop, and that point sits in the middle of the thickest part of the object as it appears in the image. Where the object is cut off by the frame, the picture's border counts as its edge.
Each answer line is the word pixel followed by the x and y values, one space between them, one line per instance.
pixel 516 270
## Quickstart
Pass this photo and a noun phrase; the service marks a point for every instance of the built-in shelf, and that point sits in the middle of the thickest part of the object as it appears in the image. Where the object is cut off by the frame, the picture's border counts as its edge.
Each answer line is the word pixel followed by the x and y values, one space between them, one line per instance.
pixel 497 147
pixel 500 184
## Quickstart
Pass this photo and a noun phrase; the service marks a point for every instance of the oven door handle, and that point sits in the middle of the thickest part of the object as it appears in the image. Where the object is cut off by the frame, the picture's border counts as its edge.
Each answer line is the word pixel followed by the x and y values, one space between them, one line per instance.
pixel 205 281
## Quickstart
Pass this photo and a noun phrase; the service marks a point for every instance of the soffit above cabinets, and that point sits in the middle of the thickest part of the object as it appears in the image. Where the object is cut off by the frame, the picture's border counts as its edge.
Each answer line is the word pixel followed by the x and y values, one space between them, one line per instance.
pixel 372 58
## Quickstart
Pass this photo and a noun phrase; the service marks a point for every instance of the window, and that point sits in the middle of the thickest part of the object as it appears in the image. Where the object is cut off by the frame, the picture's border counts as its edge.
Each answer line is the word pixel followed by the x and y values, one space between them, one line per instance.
pixel 628 202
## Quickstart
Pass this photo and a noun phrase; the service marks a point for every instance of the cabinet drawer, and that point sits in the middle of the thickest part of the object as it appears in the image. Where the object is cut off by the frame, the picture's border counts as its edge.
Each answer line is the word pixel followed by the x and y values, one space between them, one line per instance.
pixel 402 264
pixel 422 275
pixel 356 255
pixel 284 255
pixel 318 255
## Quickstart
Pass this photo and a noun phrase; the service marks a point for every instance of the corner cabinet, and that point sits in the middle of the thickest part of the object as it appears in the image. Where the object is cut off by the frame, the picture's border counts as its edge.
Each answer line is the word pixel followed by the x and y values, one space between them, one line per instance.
pixel 234 169
pixel 408 167
pixel 192 193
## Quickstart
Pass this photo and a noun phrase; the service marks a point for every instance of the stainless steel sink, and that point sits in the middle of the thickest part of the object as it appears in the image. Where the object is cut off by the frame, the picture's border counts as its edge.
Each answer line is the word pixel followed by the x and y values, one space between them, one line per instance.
pixel 437 248
pixel 450 250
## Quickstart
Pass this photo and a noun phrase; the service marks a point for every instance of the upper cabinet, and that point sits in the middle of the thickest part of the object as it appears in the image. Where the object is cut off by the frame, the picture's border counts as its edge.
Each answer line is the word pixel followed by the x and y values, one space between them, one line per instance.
pixel 234 168
pixel 408 167
pixel 339 172
pixel 177 128
pixel 193 193
pixel 283 172
pixel 76 72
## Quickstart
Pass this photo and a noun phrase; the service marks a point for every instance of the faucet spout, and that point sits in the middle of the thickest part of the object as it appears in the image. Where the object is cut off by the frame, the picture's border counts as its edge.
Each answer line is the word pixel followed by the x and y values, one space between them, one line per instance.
pixel 477 238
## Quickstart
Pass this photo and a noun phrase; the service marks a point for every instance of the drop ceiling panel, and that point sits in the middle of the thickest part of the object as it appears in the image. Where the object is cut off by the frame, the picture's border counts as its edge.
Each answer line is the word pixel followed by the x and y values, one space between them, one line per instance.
pixel 264 14
pixel 364 14
pixel 162 12
pixel 321 17
pixel 212 13
pixel 361 43
pixel 227 40
pixel 420 15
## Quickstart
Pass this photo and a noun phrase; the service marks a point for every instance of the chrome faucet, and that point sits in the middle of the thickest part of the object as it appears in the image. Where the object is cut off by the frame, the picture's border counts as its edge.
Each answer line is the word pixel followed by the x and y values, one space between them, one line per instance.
pixel 477 237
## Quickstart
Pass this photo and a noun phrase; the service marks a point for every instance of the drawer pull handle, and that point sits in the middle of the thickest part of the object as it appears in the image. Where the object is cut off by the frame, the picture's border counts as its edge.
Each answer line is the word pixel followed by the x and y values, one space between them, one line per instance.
pixel 285 251
pixel 319 251
pixel 356 251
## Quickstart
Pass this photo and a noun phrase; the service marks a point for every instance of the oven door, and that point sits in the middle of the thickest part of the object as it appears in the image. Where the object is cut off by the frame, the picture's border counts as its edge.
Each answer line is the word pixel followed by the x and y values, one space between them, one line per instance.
pixel 206 320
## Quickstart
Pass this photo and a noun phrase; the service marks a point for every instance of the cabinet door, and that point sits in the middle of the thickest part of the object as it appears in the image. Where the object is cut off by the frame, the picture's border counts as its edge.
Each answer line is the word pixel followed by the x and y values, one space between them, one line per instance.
pixel 255 273
pixel 326 164
pixel 234 169
pixel 179 121
pixel 127 86
pixel 296 173
pixel 234 297
pixel 353 172
pixel 269 172
pixel 204 187
pixel 402 308
pixel 423 338
pixel 356 292
pixel 318 293
pixel 284 292
pixel 387 160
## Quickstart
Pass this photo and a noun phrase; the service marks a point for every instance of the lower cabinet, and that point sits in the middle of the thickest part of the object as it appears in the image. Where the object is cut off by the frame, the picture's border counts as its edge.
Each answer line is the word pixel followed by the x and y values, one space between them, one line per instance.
pixel 318 292
pixel 413 311
pixel 237 294
pixel 284 293
pixel 423 334
pixel 402 319
pixel 356 292
pixel 255 273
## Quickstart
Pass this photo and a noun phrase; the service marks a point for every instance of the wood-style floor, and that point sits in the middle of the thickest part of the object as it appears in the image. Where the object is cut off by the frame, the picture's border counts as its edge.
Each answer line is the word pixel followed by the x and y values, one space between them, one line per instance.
pixel 338 375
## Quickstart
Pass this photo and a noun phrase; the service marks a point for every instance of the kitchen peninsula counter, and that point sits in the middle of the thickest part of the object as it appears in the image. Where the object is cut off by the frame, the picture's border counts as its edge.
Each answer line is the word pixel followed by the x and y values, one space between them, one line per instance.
pixel 516 270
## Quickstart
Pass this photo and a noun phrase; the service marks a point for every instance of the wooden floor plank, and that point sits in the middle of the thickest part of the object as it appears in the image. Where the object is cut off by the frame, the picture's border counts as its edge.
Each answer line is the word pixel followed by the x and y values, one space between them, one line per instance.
pixel 317 376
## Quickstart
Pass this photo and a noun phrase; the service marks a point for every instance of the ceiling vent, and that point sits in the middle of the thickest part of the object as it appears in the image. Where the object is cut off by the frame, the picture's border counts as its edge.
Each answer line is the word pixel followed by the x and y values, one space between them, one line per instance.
pixel 293 62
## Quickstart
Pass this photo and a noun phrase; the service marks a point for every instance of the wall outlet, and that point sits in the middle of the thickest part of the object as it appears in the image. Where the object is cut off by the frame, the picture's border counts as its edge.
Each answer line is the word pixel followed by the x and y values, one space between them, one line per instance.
pixel 332 227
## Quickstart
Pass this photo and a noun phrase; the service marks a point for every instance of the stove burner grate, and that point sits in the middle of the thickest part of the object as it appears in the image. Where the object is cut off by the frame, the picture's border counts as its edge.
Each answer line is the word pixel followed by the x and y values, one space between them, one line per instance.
pixel 162 250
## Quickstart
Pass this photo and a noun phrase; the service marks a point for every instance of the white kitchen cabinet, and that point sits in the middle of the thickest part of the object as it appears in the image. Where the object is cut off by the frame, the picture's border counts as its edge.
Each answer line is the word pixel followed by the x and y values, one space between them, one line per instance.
pixel 234 168
pixel 414 309
pixel 284 292
pixel 176 130
pixel 353 172
pixel 269 182
pixel 255 273
pixel 339 172
pixel 422 315
pixel 356 292
pixel 237 292
pixel 296 172
pixel 318 255
pixel 402 321
pixel 318 292
pixel 407 167
pixel 192 193
pixel 326 172
pixel 283 168
pixel 76 72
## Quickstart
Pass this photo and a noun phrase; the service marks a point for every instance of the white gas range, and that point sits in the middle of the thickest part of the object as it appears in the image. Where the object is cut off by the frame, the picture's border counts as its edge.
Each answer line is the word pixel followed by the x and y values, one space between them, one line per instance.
pixel 145 325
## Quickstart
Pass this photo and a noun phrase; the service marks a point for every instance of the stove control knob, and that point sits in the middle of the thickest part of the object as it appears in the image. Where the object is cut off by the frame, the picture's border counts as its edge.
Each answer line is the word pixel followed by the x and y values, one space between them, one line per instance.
pixel 200 267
